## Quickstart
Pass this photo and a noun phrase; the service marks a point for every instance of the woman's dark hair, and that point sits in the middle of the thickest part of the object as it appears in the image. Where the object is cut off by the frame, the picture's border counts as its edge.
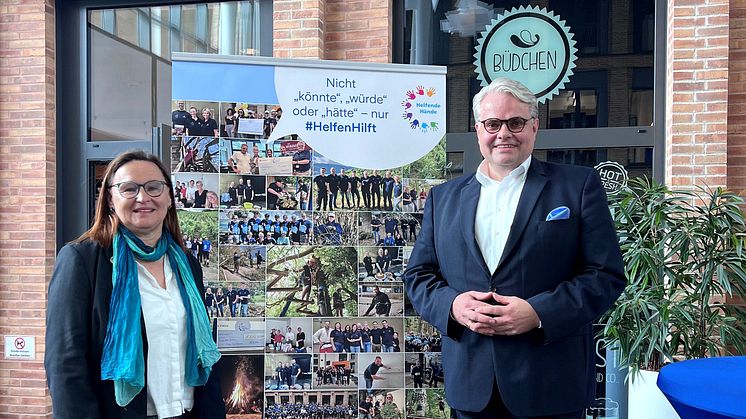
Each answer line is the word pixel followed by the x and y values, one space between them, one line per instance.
pixel 105 222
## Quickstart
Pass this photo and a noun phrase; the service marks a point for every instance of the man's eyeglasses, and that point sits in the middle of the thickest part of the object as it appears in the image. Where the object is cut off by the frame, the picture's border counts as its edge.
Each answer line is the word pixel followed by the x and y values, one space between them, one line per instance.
pixel 129 190
pixel 514 124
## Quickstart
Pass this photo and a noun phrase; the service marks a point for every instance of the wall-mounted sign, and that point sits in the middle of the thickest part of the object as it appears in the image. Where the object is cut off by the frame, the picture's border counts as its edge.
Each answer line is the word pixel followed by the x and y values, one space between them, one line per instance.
pixel 530 45
pixel 20 347
pixel 613 176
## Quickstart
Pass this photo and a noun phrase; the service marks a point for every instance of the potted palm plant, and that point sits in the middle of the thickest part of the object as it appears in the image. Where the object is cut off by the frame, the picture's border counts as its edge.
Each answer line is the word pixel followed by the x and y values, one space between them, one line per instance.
pixel 684 255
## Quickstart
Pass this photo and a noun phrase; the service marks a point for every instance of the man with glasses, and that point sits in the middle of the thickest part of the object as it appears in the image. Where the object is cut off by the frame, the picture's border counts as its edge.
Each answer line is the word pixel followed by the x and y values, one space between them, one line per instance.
pixel 515 285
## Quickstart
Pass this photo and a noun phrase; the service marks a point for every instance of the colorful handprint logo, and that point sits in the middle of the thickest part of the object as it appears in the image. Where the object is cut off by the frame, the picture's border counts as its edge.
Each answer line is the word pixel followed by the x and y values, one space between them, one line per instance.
pixel 417 102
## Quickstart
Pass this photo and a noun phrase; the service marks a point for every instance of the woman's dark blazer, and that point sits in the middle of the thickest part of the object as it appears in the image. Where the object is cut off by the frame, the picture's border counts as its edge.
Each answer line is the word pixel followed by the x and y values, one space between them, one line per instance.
pixel 77 316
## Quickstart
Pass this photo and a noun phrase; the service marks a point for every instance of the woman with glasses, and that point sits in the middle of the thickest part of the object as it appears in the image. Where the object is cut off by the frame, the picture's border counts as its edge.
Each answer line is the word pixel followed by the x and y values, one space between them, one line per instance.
pixel 200 195
pixel 127 333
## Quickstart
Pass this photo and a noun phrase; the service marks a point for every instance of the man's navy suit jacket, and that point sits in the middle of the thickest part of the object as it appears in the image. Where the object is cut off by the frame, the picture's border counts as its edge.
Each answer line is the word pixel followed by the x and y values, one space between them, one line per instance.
pixel 569 270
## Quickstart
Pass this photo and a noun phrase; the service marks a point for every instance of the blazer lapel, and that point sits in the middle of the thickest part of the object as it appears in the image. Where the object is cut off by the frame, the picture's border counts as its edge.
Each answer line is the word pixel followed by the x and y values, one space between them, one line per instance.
pixel 469 200
pixel 535 182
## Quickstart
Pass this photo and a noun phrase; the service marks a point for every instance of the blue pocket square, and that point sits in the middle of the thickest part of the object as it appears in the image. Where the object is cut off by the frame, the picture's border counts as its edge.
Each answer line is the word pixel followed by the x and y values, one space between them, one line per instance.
pixel 559 213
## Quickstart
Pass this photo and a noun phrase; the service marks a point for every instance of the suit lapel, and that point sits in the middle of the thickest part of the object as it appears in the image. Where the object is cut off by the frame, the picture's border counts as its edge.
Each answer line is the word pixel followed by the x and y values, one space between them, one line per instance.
pixel 535 182
pixel 469 200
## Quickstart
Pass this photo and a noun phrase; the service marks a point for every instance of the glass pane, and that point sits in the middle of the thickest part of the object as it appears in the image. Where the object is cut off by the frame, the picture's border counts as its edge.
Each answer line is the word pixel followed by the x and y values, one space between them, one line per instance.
pixel 455 164
pixel 96 18
pixel 637 160
pixel 160 36
pixel 163 98
pixel 613 39
pixel 641 107
pixel 120 88
pixel 130 51
pixel 96 170
pixel 588 110
pixel 126 25
pixel 562 110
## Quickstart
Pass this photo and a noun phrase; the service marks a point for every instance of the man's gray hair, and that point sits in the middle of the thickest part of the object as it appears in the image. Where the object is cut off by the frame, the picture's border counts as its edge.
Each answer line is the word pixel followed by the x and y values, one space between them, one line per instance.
pixel 505 85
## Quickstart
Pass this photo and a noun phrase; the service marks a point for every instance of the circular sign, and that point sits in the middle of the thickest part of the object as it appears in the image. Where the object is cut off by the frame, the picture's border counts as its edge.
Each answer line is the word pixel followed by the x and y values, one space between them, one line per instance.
pixel 613 176
pixel 529 45
pixel 20 343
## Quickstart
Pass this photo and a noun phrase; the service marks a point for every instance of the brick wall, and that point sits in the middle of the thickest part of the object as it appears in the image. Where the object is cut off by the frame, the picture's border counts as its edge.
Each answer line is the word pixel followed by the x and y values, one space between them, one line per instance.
pixel 358 30
pixel 333 30
pixel 27 194
pixel 737 98
pixel 298 28
pixel 697 93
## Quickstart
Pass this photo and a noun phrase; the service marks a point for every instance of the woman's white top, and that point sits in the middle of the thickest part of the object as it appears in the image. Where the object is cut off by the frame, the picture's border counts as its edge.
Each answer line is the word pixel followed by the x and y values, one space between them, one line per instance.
pixel 165 326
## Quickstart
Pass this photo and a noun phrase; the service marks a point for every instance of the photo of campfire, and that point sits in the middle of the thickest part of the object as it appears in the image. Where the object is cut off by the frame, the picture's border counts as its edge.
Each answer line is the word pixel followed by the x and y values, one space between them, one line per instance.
pixel 242 385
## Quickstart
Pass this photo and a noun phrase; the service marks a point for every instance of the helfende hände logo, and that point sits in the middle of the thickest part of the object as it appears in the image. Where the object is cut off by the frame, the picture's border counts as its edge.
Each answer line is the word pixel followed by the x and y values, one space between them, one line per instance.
pixel 419 111
pixel 529 45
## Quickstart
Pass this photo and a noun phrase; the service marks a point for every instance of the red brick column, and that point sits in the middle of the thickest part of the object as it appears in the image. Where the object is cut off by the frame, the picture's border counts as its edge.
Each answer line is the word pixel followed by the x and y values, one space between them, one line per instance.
pixel 737 98
pixel 298 28
pixel 697 93
pixel 27 194
pixel 358 30
pixel 333 30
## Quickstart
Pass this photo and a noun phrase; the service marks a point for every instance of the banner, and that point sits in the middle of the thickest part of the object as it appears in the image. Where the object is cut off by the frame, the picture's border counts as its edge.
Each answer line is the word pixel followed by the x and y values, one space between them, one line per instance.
pixel 303 211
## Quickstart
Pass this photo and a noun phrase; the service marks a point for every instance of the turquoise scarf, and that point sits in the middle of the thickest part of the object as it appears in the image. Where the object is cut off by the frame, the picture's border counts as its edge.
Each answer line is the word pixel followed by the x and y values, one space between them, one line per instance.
pixel 123 360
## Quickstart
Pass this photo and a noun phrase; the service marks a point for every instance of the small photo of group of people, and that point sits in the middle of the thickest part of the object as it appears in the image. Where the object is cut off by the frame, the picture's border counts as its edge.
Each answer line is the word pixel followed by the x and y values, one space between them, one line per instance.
pixel 242 385
pixel 427 403
pixel 311 281
pixel 423 370
pixel 340 187
pixel 265 227
pixel 287 372
pixel 381 299
pixel 288 156
pixel 196 190
pixel 335 370
pixel 243 191
pixel 234 299
pixel 288 335
pixel 418 191
pixel 381 404
pixel 318 404
pixel 388 228
pixel 200 236
pixel 421 336
pixel 194 119
pixel 242 263
pixel 245 120
pixel 357 335
pixel 382 263
pixel 381 371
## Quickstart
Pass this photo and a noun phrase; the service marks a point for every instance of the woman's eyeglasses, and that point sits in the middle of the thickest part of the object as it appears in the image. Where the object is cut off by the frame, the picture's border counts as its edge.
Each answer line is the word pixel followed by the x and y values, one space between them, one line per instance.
pixel 129 189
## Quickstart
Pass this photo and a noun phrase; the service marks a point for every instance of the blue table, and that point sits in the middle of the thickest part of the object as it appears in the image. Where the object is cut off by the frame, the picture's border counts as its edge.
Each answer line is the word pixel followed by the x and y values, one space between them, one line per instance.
pixel 708 388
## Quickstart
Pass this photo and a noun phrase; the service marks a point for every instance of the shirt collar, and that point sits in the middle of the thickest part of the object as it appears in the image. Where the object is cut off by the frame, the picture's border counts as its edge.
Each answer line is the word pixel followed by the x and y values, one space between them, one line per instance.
pixel 485 180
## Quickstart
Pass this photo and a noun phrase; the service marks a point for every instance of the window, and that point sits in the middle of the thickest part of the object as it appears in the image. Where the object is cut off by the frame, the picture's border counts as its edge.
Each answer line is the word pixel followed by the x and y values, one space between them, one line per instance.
pixel 614 39
pixel 130 50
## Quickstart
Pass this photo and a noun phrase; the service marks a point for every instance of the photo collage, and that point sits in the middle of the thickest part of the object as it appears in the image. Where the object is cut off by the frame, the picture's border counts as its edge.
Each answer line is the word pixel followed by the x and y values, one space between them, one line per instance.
pixel 303 260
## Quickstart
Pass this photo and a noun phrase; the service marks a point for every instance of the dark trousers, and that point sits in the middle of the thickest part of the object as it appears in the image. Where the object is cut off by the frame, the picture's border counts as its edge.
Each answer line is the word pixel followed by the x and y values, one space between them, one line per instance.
pixel 376 197
pixel 496 410
pixel 321 201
